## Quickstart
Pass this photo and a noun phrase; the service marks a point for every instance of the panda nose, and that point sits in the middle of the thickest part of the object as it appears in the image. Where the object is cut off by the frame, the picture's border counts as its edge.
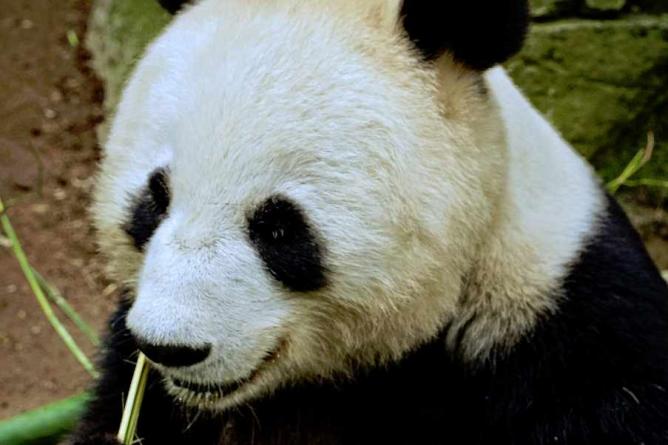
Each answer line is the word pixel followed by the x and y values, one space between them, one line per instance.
pixel 174 356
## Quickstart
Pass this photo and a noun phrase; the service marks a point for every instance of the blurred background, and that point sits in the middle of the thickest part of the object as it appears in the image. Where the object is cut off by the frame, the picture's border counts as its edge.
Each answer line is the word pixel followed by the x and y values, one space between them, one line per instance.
pixel 597 68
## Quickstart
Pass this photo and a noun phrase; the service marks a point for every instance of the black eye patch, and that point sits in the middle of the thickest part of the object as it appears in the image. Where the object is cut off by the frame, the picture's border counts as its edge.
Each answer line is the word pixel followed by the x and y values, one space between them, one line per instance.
pixel 149 209
pixel 287 245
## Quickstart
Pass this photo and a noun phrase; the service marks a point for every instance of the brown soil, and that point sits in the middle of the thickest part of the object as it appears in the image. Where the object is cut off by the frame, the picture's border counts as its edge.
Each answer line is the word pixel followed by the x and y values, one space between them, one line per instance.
pixel 50 103
pixel 652 223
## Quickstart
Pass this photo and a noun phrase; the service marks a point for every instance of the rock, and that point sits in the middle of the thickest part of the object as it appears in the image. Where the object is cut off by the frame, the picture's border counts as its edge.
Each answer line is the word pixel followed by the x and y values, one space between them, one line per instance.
pixel 605 5
pixel 119 31
pixel 604 84
pixel 543 9
pixel 650 5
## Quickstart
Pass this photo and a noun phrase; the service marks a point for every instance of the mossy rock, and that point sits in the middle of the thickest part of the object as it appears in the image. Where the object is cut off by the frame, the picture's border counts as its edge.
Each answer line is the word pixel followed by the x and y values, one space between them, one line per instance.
pixel 605 5
pixel 544 10
pixel 650 5
pixel 604 84
pixel 119 31
pixel 552 8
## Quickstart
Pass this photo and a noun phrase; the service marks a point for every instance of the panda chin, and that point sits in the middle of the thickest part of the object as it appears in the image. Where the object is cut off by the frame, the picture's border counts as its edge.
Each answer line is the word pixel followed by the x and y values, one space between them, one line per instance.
pixel 212 396
pixel 203 395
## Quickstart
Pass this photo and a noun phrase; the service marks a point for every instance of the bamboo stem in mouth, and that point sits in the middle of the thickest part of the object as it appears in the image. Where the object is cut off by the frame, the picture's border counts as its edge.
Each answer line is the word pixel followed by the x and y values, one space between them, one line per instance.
pixel 128 428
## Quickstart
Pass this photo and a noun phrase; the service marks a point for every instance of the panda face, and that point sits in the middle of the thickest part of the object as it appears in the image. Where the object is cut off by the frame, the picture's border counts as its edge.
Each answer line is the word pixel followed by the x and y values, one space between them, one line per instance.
pixel 290 187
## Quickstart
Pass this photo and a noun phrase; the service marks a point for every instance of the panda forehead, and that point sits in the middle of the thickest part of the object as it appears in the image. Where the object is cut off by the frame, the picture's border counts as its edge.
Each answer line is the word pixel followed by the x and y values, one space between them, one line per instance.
pixel 258 101
pixel 239 57
pixel 283 112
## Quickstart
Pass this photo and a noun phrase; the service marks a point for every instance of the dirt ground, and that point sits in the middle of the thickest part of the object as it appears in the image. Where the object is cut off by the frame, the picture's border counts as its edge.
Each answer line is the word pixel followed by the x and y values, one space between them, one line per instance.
pixel 50 103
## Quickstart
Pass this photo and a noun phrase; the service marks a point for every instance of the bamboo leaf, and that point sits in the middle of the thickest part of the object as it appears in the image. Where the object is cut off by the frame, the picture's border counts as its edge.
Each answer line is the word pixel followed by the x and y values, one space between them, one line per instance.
pixel 60 301
pixel 43 425
pixel 641 158
pixel 37 290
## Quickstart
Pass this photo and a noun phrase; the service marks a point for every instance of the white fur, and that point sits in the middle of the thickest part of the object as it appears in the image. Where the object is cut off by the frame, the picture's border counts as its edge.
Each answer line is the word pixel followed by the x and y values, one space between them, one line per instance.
pixel 427 214
pixel 548 212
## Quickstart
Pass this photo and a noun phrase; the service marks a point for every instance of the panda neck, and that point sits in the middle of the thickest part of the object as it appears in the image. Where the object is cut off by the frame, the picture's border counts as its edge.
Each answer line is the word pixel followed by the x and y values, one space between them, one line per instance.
pixel 548 210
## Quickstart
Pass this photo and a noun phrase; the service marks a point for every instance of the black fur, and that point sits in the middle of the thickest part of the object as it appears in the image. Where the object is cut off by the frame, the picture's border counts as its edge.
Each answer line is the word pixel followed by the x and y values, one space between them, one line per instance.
pixel 290 250
pixel 479 34
pixel 149 209
pixel 594 373
pixel 173 6
pixel 173 355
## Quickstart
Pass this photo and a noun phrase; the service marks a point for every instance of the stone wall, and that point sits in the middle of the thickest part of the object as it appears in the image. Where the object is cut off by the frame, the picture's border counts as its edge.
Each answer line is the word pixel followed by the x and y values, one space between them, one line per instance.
pixel 118 33
pixel 597 68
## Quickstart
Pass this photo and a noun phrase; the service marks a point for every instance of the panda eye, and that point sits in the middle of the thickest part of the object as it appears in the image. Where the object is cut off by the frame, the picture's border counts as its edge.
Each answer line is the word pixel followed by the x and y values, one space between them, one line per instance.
pixel 149 209
pixel 159 191
pixel 287 245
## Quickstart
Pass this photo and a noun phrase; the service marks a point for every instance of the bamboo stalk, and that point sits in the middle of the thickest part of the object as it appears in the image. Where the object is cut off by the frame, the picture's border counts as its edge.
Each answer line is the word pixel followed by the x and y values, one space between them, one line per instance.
pixel 45 424
pixel 126 432
pixel 647 182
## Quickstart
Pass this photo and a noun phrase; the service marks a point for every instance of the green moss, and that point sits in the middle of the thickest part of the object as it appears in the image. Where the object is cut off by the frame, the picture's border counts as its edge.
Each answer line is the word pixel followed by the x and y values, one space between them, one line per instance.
pixel 605 5
pixel 651 5
pixel 551 8
pixel 603 84
pixel 119 32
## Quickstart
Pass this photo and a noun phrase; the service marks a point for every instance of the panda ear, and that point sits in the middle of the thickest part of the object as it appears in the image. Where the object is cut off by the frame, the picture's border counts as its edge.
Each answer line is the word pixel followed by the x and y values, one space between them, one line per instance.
pixel 173 6
pixel 477 33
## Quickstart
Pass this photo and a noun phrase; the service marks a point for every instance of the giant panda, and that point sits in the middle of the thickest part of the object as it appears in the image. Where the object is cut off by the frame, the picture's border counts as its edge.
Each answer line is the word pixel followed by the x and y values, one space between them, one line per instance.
pixel 339 222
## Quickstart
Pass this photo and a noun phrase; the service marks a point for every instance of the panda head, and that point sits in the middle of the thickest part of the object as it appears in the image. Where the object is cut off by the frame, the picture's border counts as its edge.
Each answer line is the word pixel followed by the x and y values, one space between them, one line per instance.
pixel 296 188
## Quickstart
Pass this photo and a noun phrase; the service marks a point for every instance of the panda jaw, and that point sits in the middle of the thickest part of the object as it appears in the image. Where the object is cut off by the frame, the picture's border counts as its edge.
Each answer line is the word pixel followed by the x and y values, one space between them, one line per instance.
pixel 216 396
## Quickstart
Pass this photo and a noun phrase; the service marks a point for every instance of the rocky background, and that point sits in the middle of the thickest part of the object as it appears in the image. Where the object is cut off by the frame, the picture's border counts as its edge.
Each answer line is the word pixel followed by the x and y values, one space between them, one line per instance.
pixel 597 68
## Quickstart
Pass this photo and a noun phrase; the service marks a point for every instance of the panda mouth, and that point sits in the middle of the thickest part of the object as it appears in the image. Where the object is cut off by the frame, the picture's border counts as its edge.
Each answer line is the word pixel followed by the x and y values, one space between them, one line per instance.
pixel 207 393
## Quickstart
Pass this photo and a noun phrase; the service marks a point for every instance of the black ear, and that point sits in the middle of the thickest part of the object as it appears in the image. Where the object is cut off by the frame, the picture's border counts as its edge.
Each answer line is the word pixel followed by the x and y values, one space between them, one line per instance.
pixel 478 33
pixel 173 6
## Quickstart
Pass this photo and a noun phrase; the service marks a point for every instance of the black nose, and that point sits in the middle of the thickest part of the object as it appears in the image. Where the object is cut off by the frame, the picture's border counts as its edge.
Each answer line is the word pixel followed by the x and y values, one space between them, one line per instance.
pixel 174 356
